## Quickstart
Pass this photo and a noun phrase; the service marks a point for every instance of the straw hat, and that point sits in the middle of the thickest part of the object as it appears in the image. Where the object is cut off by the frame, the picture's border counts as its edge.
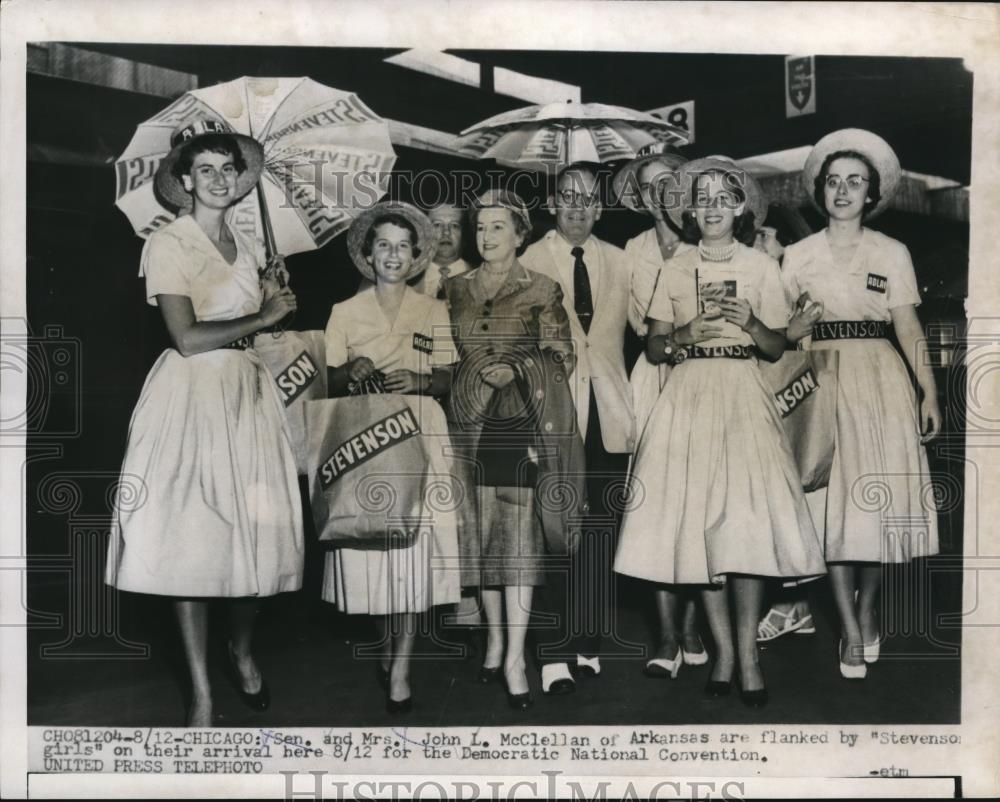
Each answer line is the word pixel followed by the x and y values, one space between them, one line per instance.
pixel 676 206
pixel 169 189
pixel 426 236
pixel 626 184
pixel 870 145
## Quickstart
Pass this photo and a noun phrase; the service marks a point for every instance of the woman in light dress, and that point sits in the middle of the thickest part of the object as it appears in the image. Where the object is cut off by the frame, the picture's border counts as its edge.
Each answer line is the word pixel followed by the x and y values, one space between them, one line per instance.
pixel 879 504
pixel 639 185
pixel 390 332
pixel 722 505
pixel 209 505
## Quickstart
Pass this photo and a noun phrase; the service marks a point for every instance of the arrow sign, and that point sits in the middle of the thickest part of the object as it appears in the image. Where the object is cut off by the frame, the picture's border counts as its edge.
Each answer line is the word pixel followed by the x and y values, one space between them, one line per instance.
pixel 800 86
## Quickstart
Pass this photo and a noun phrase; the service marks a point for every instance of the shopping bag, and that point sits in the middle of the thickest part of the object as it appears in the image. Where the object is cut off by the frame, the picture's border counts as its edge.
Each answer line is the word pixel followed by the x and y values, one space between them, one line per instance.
pixel 804 384
pixel 297 362
pixel 367 466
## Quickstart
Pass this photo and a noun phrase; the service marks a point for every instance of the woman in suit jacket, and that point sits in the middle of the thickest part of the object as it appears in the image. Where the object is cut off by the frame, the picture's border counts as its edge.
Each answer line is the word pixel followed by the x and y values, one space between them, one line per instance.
pixel 513 417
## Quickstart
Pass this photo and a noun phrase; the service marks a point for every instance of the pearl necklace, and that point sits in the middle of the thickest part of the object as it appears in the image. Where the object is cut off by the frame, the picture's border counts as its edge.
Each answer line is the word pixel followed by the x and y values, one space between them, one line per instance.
pixel 717 253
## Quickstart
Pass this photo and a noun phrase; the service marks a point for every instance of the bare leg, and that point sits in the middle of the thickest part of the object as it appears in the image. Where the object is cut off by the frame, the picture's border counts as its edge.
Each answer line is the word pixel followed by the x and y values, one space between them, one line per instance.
pixel 192 617
pixel 717 611
pixel 748 593
pixel 869 585
pixel 243 616
pixel 493 607
pixel 404 632
pixel 689 628
pixel 667 600
pixel 842 582
pixel 383 630
pixel 518 598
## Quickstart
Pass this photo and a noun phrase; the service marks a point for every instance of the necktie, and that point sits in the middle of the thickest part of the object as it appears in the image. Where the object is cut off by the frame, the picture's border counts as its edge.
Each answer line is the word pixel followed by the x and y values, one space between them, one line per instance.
pixel 583 301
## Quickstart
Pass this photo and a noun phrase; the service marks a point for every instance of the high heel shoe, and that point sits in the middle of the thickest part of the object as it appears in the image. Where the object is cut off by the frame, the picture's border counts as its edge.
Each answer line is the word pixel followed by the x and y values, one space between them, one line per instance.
pixel 757 698
pixel 517 701
pixel 698 658
pixel 260 700
pixel 849 671
pixel 487 675
pixel 870 651
pixel 392 707
pixel 660 668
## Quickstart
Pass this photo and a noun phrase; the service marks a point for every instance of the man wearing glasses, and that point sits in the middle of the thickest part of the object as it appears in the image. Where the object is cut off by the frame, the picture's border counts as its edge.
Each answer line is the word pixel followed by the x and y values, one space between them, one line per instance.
pixel 596 279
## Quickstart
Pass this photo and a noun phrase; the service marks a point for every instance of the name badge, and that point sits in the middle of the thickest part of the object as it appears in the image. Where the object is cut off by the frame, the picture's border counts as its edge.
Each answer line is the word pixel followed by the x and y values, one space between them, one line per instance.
pixel 423 343
pixel 877 283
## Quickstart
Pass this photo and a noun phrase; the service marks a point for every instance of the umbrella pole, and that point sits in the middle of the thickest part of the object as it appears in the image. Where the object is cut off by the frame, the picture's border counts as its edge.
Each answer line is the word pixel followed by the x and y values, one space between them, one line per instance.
pixel 265 220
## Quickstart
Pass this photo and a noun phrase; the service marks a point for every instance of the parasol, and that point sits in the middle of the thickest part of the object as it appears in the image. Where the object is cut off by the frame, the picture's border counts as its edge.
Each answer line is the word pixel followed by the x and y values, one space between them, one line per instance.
pixel 537 137
pixel 327 158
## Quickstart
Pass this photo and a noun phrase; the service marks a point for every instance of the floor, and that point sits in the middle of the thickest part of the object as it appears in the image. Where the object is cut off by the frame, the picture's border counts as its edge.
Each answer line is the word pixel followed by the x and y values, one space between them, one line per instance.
pixel 306 650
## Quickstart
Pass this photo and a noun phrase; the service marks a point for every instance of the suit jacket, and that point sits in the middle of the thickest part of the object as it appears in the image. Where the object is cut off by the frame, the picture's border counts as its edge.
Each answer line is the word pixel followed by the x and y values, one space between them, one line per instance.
pixel 600 356
pixel 524 325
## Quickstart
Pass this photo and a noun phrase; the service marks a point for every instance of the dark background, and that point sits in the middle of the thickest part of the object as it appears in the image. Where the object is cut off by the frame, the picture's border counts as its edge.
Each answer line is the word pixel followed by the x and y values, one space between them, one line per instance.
pixel 83 256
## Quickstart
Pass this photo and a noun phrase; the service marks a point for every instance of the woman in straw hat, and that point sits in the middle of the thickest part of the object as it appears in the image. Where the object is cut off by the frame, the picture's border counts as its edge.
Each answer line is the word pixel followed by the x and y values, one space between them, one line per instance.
pixel 639 186
pixel 393 336
pixel 721 499
pixel 218 513
pixel 861 281
pixel 513 414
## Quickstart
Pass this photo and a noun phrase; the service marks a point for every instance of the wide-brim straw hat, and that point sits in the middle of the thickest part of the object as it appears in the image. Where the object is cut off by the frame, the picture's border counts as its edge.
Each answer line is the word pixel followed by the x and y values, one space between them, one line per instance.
pixel 168 188
pixel 676 199
pixel 625 187
pixel 869 145
pixel 426 236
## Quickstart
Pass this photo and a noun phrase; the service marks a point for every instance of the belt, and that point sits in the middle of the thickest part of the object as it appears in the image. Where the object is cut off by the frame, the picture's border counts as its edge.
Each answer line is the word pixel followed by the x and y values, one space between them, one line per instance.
pixel 242 344
pixel 850 330
pixel 720 352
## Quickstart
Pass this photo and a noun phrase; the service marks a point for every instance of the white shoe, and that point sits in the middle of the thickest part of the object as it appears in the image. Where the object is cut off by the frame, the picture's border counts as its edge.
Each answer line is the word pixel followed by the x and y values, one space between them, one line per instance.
pixel 871 651
pixel 695 658
pixel 849 671
pixel 588 666
pixel 659 668
pixel 556 679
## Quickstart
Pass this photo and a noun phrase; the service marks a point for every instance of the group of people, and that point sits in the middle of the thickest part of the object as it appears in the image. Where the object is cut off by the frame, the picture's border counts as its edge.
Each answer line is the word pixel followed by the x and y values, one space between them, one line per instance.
pixel 571 466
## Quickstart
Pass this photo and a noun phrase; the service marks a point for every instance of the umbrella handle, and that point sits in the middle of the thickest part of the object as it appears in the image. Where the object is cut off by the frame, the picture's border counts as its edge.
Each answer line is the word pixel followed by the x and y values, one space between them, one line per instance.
pixel 265 220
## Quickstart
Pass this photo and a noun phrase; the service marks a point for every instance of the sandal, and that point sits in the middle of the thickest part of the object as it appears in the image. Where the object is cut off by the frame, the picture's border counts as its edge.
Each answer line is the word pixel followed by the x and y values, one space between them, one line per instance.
pixel 776 623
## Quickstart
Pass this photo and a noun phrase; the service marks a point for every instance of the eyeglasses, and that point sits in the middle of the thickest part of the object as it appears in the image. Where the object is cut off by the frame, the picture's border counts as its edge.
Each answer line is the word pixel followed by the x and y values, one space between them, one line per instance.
pixel 854 182
pixel 570 197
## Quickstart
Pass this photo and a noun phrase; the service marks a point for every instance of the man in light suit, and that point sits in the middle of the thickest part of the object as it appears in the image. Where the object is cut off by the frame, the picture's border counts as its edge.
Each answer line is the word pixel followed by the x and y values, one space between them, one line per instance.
pixel 596 280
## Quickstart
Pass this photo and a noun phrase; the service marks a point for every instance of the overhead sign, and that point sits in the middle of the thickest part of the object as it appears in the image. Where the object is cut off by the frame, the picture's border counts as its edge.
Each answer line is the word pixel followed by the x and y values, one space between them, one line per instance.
pixel 679 114
pixel 800 86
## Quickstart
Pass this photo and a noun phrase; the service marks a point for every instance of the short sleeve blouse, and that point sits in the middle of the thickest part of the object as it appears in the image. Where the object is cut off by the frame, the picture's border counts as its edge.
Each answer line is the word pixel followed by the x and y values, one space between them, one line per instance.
pixel 879 278
pixel 419 340
pixel 180 259
pixel 750 274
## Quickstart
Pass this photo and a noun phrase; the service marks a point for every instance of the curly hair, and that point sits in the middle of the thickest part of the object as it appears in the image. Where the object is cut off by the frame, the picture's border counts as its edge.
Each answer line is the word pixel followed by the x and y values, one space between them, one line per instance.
pixel 874 180
pixel 504 200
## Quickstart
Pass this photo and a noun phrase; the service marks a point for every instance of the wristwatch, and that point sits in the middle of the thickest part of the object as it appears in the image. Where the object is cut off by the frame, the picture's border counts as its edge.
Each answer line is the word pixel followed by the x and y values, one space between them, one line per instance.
pixel 675 353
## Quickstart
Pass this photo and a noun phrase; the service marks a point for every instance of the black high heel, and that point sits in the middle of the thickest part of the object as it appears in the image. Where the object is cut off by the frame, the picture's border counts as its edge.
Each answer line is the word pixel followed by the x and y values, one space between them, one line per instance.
pixel 258 701
pixel 487 675
pixel 393 707
pixel 518 701
pixel 756 698
pixel 715 687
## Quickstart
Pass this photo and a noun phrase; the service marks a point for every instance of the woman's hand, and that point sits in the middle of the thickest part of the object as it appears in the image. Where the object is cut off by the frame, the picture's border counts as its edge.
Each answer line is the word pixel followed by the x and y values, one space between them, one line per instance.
pixel 807 314
pixel 738 312
pixel 930 418
pixel 406 381
pixel 697 330
pixel 360 369
pixel 497 376
pixel 277 306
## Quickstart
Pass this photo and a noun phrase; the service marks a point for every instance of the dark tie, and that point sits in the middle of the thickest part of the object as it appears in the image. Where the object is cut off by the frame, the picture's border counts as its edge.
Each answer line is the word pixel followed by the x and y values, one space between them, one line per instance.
pixel 583 301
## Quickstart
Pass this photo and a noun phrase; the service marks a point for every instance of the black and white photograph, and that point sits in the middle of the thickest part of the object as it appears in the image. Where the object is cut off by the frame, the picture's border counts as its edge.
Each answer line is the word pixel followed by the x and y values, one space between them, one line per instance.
pixel 501 404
